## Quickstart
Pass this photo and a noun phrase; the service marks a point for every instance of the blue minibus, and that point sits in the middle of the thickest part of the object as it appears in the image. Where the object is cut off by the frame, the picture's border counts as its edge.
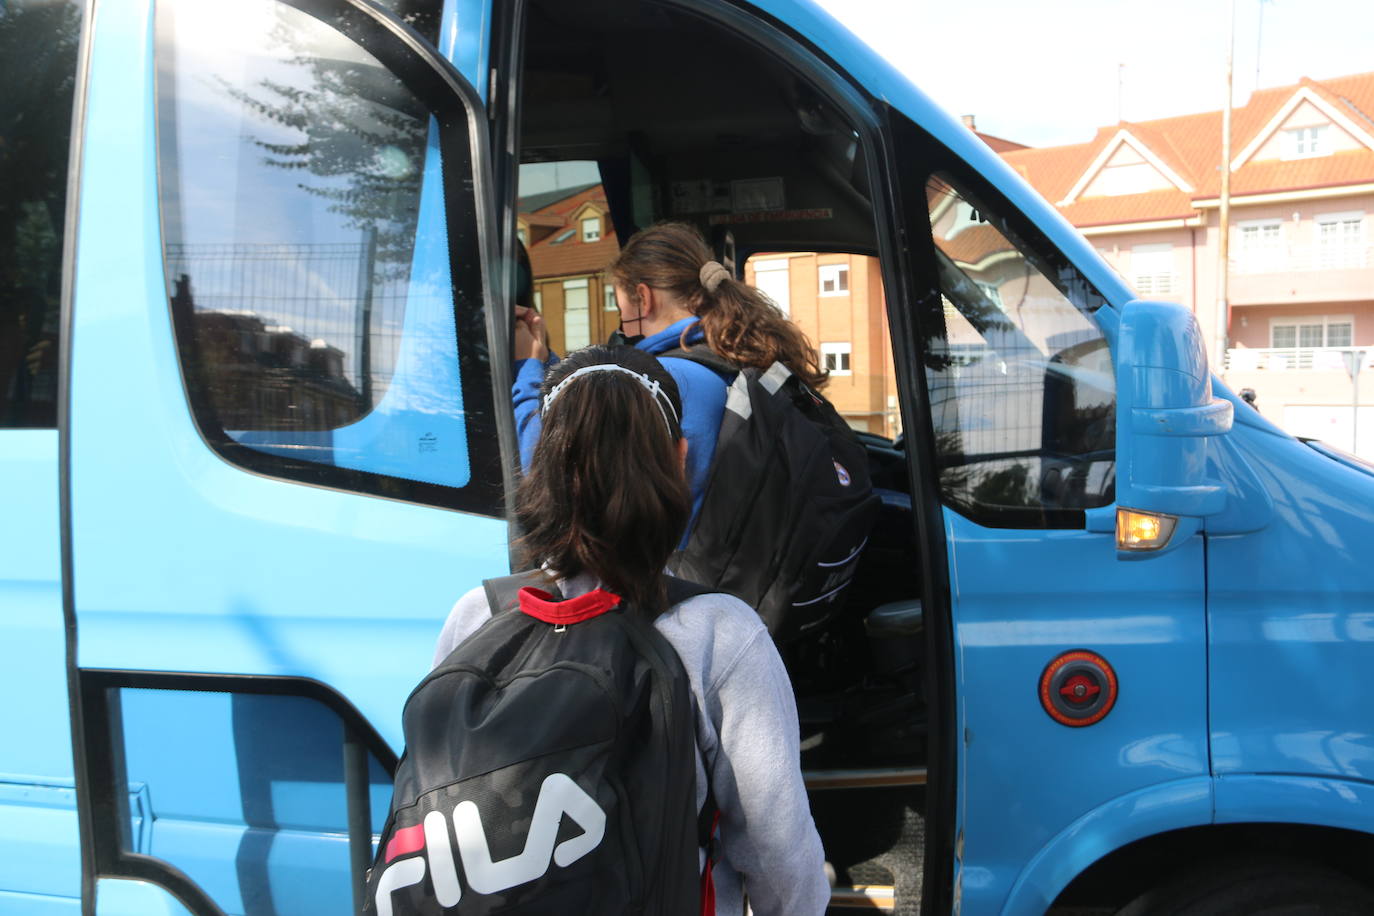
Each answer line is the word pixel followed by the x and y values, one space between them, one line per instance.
pixel 1109 646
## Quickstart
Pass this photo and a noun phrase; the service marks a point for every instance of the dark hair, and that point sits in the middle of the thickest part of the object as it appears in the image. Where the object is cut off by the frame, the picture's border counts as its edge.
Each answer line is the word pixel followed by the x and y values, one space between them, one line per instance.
pixel 740 323
pixel 605 491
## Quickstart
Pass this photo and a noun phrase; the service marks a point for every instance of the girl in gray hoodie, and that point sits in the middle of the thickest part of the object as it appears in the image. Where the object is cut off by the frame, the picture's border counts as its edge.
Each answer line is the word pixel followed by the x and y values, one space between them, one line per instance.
pixel 603 505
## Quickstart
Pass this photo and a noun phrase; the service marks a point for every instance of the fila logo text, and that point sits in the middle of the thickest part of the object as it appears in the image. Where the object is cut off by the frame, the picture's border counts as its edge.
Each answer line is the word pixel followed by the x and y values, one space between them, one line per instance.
pixel 558 796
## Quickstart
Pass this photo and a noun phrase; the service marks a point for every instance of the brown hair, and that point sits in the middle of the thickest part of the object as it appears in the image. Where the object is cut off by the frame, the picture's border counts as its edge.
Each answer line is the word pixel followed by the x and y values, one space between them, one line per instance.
pixel 605 492
pixel 740 323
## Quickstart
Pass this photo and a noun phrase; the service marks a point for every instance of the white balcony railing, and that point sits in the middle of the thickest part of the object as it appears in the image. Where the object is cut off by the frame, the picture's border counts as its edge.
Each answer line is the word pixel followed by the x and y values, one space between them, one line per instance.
pixel 1301 258
pixel 1286 359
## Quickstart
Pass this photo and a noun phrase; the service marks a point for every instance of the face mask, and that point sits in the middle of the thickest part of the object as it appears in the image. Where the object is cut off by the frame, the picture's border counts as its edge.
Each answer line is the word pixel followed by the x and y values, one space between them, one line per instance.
pixel 619 338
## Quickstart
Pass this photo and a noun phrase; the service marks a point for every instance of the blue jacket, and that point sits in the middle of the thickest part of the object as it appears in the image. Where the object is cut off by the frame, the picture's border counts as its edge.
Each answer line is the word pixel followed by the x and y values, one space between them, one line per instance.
pixel 703 402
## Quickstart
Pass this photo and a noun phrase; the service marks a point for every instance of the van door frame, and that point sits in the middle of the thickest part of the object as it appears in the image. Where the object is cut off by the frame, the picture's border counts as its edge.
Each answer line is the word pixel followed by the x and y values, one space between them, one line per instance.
pixel 896 260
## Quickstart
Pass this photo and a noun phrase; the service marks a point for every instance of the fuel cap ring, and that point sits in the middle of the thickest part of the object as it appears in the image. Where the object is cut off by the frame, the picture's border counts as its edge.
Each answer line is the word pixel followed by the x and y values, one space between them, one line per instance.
pixel 1078 688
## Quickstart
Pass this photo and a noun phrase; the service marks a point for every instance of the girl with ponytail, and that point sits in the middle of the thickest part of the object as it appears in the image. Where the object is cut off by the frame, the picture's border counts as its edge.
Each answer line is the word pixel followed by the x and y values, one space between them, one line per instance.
pixel 672 294
pixel 603 503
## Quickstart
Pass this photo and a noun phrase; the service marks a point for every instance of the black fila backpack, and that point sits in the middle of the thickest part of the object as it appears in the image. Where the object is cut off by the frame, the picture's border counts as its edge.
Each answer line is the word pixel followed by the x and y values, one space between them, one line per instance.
pixel 550 768
pixel 788 504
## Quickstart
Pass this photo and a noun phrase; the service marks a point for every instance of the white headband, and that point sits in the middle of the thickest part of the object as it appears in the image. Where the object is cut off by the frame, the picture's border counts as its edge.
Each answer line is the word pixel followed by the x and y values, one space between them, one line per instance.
pixel 660 396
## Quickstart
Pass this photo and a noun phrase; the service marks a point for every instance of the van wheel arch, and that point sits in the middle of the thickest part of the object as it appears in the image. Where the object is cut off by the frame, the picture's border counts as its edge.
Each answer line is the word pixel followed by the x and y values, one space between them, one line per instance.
pixel 1175 860
pixel 1264 886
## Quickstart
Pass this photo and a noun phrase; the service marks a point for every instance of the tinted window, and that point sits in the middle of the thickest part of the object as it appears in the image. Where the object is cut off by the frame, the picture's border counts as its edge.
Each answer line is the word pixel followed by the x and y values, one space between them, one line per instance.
pixel 1023 396
pixel 38 44
pixel 308 258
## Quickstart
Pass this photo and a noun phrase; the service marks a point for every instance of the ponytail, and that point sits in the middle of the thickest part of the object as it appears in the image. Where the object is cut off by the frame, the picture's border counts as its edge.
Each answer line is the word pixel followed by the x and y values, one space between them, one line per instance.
pixel 605 492
pixel 739 321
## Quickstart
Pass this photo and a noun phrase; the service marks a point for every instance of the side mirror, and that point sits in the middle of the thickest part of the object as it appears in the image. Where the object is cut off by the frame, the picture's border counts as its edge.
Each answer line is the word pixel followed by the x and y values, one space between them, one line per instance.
pixel 1165 416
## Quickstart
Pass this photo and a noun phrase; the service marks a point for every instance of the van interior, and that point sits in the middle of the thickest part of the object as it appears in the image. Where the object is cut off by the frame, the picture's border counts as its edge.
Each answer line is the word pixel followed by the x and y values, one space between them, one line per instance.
pixel 685 114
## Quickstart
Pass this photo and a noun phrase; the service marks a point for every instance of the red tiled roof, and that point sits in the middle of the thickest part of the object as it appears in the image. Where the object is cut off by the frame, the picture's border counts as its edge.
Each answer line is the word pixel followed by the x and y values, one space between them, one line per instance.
pixel 1346 167
pixel 572 256
pixel 1129 208
pixel 999 144
pixel 974 244
pixel 1191 146
pixel 1053 170
pixel 595 194
pixel 1161 143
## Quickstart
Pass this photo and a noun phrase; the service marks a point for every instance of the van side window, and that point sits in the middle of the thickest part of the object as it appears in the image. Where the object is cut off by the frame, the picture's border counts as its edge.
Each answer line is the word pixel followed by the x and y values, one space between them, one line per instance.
pixel 1023 397
pixel 38 45
pixel 319 332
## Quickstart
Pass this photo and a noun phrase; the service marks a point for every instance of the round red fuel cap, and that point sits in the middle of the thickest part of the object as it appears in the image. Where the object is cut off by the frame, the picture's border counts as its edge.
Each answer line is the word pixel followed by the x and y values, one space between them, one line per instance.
pixel 1078 688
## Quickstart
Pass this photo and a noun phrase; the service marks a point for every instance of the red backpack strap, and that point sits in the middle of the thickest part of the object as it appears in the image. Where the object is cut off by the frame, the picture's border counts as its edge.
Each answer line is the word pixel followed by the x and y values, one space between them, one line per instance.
pixel 541 605
pixel 708 823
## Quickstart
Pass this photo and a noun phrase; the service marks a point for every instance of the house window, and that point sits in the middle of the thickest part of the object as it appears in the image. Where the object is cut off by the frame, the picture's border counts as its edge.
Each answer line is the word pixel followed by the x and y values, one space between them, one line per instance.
pixel 1305 142
pixel 577 329
pixel 774 280
pixel 562 237
pixel 835 358
pixel 1339 333
pixel 993 292
pixel 522 235
pixel 834 279
pixel 610 305
pixel 1340 240
pixel 591 229
pixel 1152 269
pixel 1312 331
pixel 1259 246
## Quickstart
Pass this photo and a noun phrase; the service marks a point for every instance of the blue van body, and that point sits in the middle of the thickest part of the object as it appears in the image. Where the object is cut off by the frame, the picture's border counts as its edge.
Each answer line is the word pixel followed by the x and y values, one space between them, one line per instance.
pixel 135 558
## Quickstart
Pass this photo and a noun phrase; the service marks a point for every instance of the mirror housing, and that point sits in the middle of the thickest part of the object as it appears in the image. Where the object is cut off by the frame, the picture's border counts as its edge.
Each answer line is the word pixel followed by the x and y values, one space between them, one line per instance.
pixel 1165 413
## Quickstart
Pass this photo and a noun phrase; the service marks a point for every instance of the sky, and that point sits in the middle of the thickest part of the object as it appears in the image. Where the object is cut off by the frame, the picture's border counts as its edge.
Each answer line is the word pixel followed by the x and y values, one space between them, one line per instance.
pixel 1045 72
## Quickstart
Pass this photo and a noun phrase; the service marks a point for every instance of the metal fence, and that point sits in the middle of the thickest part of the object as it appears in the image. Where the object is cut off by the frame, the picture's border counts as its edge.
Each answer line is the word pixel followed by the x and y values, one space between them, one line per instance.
pixel 329 294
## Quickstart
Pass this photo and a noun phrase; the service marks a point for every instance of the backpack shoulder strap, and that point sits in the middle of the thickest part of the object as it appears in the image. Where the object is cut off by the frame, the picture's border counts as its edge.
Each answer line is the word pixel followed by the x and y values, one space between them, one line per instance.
pixel 703 355
pixel 503 593
pixel 679 590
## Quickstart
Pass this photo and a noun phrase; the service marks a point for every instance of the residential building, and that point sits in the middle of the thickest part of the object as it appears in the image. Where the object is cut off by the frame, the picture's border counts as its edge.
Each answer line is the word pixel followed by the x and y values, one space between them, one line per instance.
pixel 837 301
pixel 570 240
pixel 1301 278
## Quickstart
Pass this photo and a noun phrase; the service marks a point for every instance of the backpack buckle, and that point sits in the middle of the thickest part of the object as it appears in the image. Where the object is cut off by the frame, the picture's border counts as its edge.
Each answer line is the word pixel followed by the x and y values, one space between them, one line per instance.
pixel 560 627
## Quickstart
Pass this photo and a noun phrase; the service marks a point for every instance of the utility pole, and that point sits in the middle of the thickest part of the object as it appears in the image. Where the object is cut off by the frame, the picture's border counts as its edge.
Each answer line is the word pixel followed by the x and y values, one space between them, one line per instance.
pixel 1223 322
pixel 1259 43
pixel 1354 359
pixel 1120 91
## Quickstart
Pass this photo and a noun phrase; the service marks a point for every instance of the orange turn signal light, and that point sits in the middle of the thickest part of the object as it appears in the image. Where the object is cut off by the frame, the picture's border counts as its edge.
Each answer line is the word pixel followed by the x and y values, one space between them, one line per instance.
pixel 1136 530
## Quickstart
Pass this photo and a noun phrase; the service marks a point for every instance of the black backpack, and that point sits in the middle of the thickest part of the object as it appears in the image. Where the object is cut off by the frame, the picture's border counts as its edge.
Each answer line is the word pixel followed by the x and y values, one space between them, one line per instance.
pixel 549 769
pixel 788 504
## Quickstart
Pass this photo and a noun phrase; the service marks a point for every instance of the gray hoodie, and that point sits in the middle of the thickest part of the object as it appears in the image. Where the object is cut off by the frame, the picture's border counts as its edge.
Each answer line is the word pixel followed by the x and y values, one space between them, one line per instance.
pixel 747 736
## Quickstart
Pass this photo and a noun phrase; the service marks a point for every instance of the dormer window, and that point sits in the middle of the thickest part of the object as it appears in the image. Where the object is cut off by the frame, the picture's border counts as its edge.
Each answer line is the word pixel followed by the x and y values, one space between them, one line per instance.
pixel 591 229
pixel 1306 142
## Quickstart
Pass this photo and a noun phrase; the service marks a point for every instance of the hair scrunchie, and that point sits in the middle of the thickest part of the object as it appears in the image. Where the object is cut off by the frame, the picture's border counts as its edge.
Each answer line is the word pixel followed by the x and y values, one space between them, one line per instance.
pixel 712 274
